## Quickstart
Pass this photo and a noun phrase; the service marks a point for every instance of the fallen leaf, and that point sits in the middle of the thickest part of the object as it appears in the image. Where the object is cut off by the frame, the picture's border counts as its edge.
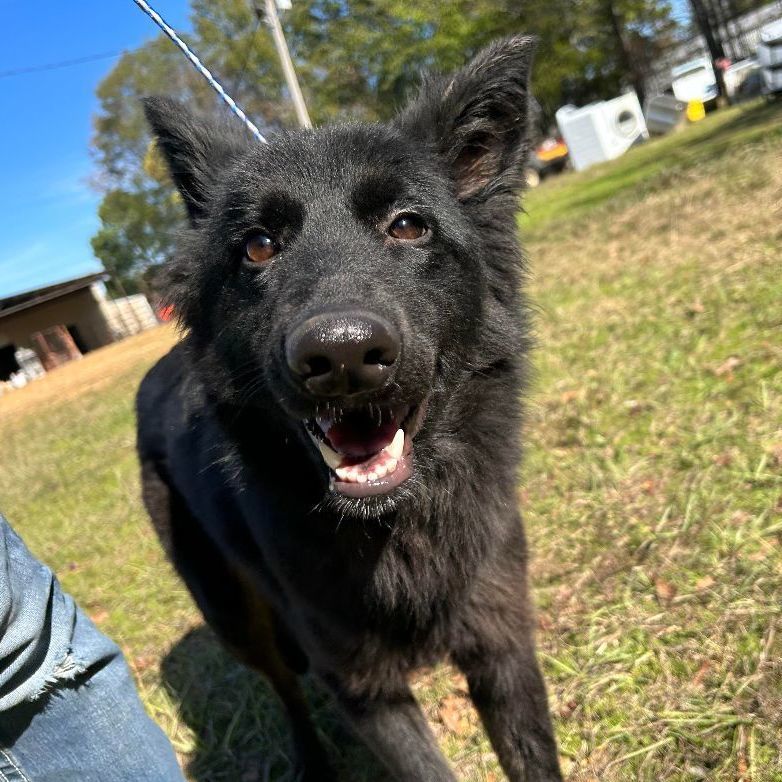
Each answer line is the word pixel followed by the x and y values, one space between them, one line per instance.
pixel 634 406
pixel 665 590
pixel 567 708
pixel 459 683
pixel 694 308
pixel 99 616
pixel 564 593
pixel 726 368
pixel 142 662
pixel 453 713
pixel 724 459
pixel 649 486
pixel 707 582
pixel 775 452
pixel 740 518
pixel 700 675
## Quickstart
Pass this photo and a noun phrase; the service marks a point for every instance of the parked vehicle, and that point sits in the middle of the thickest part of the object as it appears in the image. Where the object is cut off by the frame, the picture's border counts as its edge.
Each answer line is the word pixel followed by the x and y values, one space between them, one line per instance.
pixel 694 80
pixel 549 157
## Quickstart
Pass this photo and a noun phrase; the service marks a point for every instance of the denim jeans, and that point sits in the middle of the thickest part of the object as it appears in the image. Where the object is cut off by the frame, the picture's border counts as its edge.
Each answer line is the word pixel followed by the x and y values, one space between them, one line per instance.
pixel 69 711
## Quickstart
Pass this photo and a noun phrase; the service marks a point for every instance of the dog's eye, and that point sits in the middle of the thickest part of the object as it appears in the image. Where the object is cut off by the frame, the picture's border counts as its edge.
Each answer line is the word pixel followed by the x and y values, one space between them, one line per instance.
pixel 260 248
pixel 407 227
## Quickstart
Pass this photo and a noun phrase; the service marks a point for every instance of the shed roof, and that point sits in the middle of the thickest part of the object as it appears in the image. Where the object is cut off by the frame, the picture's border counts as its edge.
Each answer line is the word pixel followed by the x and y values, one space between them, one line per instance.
pixel 23 301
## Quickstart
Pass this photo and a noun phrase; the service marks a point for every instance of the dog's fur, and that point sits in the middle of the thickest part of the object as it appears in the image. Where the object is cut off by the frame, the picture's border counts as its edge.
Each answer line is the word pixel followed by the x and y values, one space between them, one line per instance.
pixel 291 574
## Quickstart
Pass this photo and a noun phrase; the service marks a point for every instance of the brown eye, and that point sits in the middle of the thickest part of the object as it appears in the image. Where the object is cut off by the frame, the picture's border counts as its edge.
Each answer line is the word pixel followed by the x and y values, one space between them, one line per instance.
pixel 407 227
pixel 260 248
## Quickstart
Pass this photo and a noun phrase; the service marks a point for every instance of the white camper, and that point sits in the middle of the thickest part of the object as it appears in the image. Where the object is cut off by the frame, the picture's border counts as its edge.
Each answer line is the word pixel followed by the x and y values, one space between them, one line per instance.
pixel 695 80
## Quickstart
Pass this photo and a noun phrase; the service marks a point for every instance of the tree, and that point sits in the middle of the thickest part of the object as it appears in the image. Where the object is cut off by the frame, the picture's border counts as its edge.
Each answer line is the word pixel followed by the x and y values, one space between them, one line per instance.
pixel 140 212
pixel 638 31
pixel 358 60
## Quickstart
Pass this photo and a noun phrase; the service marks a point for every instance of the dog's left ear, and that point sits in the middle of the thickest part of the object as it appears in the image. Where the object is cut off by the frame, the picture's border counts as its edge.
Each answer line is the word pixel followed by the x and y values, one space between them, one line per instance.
pixel 477 119
pixel 195 149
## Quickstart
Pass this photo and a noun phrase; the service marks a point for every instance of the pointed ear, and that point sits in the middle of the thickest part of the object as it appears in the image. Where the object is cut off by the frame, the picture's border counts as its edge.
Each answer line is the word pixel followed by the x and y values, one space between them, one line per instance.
pixel 477 118
pixel 194 149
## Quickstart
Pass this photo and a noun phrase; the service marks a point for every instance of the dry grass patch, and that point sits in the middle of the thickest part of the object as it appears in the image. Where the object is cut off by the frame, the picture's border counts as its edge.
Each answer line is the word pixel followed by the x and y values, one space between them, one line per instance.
pixel 93 372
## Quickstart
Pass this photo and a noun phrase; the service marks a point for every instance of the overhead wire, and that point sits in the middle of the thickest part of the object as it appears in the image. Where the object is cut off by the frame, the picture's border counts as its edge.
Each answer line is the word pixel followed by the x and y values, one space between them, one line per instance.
pixel 53 66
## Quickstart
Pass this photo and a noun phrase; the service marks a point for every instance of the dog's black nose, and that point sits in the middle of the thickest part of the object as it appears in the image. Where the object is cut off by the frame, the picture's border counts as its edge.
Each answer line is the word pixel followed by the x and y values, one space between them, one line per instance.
pixel 344 352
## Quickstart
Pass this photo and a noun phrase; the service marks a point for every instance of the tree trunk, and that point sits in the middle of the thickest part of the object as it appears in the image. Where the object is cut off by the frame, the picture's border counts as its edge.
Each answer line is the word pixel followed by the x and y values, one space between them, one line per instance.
pixel 713 41
pixel 629 65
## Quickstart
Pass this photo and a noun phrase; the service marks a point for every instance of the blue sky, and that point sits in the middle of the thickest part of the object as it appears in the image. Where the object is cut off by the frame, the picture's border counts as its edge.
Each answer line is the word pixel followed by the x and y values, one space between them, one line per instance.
pixel 47 209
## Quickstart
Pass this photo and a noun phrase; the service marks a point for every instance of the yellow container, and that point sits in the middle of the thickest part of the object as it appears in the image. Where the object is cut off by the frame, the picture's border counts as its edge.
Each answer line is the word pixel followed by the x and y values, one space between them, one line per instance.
pixel 695 111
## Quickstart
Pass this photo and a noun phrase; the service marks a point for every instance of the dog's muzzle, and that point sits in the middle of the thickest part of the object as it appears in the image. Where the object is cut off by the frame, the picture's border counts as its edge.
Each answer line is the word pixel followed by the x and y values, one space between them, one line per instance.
pixel 342 360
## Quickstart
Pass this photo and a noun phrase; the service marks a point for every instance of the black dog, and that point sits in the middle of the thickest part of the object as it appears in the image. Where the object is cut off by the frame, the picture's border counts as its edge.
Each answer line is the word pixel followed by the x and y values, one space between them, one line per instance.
pixel 330 456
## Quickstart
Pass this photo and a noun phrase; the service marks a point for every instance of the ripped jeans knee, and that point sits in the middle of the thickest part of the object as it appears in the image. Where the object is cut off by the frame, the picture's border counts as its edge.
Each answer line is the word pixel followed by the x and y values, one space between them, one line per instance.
pixel 69 710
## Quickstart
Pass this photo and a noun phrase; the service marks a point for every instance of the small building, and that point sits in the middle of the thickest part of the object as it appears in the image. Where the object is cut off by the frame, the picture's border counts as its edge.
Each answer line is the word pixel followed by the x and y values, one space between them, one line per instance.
pixel 63 321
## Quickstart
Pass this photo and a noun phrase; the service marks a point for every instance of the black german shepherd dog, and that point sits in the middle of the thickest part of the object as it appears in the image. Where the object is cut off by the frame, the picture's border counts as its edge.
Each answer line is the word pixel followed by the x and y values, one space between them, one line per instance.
pixel 330 455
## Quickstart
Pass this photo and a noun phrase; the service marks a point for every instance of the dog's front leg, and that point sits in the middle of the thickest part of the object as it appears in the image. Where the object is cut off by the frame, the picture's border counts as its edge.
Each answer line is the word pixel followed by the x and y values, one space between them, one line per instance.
pixel 507 689
pixel 393 726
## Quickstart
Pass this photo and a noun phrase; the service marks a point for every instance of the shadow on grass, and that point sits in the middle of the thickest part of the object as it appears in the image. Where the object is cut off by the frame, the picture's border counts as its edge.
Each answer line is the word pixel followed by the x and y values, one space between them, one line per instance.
pixel 240 728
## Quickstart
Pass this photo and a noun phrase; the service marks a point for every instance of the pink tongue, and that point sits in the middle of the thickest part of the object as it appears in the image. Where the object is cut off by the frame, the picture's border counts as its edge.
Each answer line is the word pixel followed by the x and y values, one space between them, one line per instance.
pixel 358 436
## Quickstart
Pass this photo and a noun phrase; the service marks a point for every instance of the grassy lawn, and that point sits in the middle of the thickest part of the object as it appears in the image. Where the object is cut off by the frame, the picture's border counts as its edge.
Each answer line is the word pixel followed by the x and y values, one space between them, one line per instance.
pixel 652 489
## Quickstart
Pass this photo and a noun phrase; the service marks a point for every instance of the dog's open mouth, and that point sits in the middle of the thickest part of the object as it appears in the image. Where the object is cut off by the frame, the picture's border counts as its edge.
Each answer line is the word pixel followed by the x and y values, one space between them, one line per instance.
pixel 368 450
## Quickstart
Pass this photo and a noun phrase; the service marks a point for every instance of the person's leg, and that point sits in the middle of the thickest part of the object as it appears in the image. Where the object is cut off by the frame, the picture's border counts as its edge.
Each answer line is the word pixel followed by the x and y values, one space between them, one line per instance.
pixel 69 711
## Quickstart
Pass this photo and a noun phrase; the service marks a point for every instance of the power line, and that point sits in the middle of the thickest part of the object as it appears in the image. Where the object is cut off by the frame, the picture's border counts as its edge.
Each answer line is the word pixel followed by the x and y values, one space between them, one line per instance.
pixel 53 66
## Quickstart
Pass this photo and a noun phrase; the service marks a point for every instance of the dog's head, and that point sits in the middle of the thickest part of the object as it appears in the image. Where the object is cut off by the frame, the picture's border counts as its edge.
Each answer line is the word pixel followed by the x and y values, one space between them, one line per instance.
pixel 357 276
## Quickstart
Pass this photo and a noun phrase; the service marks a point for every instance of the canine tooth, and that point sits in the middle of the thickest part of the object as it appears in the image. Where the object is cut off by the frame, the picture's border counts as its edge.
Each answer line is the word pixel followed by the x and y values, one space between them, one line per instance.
pixel 397 444
pixel 391 467
pixel 344 473
pixel 330 456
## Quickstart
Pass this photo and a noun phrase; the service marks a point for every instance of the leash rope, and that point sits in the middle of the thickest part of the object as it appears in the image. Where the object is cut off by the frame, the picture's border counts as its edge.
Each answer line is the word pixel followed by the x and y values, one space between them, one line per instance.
pixel 200 67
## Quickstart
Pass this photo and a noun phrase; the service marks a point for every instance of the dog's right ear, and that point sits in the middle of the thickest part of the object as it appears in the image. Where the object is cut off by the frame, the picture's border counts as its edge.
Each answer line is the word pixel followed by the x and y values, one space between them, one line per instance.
pixel 194 149
pixel 477 119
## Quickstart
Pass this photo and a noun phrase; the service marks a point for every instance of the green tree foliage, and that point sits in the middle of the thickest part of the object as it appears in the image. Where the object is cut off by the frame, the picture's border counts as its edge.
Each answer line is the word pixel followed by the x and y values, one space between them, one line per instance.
pixel 356 59
pixel 140 211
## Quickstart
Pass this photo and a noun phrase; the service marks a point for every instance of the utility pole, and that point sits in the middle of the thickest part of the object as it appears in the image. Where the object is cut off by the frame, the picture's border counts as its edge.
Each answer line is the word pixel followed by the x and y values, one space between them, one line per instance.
pixel 285 60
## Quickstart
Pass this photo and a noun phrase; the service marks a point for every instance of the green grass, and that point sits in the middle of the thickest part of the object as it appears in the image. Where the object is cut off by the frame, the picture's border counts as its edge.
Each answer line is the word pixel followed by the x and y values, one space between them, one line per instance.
pixel 652 489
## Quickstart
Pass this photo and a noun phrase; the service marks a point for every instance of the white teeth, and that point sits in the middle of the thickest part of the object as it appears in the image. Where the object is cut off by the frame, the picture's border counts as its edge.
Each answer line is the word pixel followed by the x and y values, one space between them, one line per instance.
pixel 330 456
pixel 382 464
pixel 397 445
pixel 324 423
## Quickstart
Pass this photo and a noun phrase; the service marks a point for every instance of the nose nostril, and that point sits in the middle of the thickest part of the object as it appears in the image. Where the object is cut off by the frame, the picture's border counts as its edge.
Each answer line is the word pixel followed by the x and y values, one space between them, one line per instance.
pixel 378 356
pixel 317 366
pixel 342 353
